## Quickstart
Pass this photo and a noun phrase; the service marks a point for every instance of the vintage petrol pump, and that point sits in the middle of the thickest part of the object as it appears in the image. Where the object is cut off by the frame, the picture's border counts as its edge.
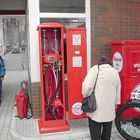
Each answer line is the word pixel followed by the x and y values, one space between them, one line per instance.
pixel 51 48
pixel 53 117
pixel 77 69
pixel 125 56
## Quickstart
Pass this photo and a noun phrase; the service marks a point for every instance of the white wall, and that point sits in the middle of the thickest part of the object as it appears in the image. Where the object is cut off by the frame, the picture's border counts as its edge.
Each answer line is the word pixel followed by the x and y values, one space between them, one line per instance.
pixel 33 19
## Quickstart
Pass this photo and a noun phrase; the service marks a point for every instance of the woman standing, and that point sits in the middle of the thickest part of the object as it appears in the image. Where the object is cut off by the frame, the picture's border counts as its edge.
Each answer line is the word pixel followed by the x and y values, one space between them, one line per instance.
pixel 107 93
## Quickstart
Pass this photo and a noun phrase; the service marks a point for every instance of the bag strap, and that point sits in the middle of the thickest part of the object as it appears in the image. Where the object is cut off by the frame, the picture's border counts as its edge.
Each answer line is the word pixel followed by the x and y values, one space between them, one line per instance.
pixel 96 78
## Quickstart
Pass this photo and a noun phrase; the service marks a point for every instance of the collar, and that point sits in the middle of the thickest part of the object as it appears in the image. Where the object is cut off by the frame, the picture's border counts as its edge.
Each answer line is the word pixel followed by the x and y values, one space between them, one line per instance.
pixel 105 66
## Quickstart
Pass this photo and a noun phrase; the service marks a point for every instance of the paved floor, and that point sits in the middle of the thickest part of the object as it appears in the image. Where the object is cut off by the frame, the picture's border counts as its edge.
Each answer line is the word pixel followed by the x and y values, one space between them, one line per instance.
pixel 11 86
pixel 12 128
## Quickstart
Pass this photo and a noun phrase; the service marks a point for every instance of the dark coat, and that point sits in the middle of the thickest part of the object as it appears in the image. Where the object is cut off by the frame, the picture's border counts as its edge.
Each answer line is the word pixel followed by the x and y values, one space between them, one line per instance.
pixel 2 67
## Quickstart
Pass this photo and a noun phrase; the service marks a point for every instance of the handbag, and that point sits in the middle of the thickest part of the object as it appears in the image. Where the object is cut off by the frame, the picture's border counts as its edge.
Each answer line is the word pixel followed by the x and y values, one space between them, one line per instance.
pixel 89 103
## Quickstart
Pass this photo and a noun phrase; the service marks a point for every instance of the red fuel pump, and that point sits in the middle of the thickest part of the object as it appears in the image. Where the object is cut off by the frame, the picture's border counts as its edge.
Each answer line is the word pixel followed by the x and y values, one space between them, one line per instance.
pixel 77 69
pixel 52 78
pixel 125 56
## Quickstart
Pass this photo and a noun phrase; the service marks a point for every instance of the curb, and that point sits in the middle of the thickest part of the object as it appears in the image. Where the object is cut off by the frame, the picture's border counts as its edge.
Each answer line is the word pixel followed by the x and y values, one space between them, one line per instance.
pixel 68 135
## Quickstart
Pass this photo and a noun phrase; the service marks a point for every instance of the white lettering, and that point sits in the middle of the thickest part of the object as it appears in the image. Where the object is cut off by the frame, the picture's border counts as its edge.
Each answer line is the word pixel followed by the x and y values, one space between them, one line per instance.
pixel 136 65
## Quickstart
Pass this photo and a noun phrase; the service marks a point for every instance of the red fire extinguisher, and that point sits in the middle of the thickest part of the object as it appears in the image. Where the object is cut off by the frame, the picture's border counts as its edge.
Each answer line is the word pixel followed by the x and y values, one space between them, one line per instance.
pixel 22 104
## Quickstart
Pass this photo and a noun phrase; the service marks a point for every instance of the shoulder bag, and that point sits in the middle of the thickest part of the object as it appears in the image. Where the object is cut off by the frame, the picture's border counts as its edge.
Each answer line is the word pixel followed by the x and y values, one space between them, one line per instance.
pixel 89 103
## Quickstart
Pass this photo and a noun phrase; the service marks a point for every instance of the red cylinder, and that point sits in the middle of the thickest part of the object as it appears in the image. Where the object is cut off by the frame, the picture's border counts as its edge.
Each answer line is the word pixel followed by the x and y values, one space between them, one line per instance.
pixel 22 105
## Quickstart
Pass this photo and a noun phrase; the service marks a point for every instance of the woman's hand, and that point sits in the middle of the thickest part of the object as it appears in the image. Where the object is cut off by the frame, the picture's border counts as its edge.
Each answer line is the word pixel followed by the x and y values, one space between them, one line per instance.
pixel 2 78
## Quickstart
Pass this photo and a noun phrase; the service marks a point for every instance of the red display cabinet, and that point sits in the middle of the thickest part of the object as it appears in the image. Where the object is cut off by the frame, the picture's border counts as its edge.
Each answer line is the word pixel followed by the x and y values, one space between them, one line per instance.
pixel 125 57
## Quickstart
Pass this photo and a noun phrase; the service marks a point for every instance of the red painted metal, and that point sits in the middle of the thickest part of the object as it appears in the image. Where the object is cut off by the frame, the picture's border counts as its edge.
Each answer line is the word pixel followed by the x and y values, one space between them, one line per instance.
pixel 77 69
pixel 22 104
pixel 47 37
pixel 126 59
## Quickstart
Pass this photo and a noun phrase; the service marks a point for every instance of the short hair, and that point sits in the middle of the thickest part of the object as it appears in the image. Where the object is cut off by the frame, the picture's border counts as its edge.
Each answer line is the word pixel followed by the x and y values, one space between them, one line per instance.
pixel 103 60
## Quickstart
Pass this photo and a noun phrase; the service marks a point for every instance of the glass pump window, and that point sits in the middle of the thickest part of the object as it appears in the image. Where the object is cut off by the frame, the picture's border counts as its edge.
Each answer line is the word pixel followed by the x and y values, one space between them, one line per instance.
pixel 62 6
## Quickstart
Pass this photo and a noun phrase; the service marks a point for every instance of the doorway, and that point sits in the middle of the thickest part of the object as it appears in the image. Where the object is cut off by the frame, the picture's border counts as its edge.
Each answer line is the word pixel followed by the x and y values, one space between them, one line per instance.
pixel 13 42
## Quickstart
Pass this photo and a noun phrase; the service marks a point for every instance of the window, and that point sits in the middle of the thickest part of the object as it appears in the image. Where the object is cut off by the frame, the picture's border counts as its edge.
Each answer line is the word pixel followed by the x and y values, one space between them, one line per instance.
pixel 62 6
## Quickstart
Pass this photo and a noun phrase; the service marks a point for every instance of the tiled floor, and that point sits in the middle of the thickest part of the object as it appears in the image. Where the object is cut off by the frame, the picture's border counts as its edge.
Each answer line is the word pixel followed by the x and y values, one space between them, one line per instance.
pixel 12 128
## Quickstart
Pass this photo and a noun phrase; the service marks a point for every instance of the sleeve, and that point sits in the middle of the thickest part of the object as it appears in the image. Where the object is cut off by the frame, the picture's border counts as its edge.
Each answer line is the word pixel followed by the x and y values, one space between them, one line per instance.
pixel 118 91
pixel 88 83
pixel 3 71
pixel 2 68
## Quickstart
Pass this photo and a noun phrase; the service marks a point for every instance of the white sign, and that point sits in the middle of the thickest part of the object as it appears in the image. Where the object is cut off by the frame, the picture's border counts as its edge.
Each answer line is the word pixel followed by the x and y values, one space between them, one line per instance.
pixel 117 61
pixel 76 40
pixel 77 61
pixel 76 108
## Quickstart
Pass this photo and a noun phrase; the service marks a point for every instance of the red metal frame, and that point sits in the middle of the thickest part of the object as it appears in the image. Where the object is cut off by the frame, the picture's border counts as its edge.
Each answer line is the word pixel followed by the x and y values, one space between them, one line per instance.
pixel 46 123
